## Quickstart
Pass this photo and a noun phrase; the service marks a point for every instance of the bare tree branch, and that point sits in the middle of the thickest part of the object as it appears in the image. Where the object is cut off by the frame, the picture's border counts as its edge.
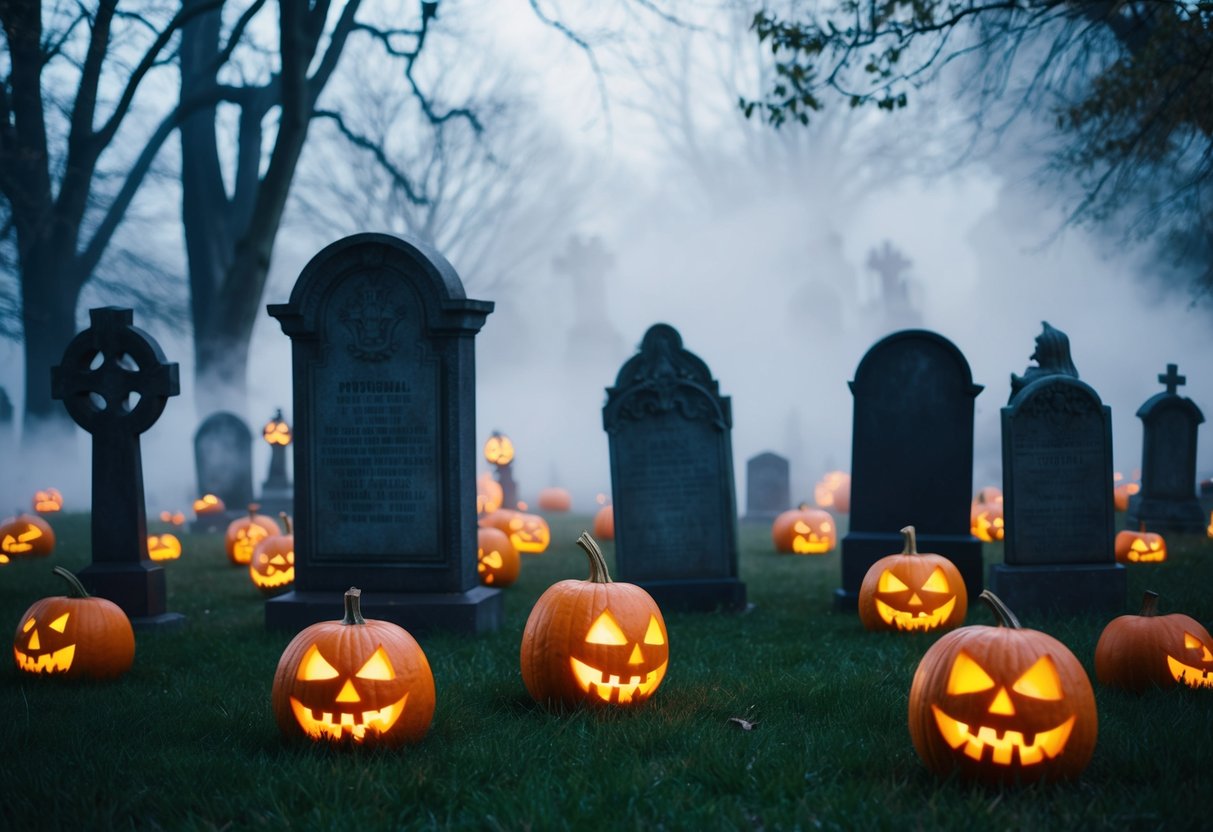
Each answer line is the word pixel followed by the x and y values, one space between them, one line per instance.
pixel 399 177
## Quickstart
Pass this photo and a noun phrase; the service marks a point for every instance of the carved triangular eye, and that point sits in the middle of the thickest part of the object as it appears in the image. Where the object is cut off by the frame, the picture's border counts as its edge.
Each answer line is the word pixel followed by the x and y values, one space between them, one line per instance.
pixel 801 527
pixel 890 583
pixel 1193 643
pixel 314 667
pixel 60 623
pixel 1190 641
pixel 653 635
pixel 377 667
pixel 967 676
pixel 938 582
pixel 1040 681
pixel 605 631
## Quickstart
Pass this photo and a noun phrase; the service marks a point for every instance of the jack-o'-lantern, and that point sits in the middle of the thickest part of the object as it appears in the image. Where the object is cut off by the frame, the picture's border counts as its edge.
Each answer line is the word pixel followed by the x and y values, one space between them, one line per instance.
pixel 555 499
pixel 1209 530
pixel 497 560
pixel 1140 546
pixel 604 523
pixel 499 450
pixel 175 518
pixel 48 501
pixel 1122 490
pixel 74 635
pixel 804 531
pixel 163 547
pixel 986 520
pixel 1002 704
pixel 529 533
pixel 596 642
pixel 244 533
pixel 356 680
pixel 25 536
pixel 833 491
pixel 277 431
pixel 272 565
pixel 1136 652
pixel 208 504
pixel 912 592
pixel 489 494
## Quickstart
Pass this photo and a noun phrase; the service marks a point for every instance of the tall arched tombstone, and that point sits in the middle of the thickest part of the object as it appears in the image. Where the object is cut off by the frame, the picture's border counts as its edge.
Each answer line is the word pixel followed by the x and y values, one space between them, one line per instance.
pixel 1168 501
pixel 384 447
pixel 911 457
pixel 114 382
pixel 668 429
pixel 223 462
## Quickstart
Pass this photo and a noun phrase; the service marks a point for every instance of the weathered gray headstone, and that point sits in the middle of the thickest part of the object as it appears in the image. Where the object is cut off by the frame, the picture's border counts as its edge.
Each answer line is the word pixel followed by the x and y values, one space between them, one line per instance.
pixel 1168 501
pixel 911 457
pixel 223 462
pixel 1057 501
pixel 114 382
pixel 672 486
pixel 768 488
pixel 385 448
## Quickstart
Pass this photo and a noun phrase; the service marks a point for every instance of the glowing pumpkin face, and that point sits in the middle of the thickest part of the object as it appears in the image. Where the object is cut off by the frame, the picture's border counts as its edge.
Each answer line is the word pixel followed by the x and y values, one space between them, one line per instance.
pixel 175 518
pixel 529 533
pixel 277 431
pixel 1122 491
pixel 489 494
pixel 986 521
pixel 244 533
pixel 74 636
pixel 48 501
pixel 1136 652
pixel 208 504
pixel 804 531
pixel 912 592
pixel 1140 547
pixel 163 547
pixel 272 565
pixel 355 680
pixel 1002 704
pixel 499 450
pixel 497 561
pixel 25 536
pixel 834 492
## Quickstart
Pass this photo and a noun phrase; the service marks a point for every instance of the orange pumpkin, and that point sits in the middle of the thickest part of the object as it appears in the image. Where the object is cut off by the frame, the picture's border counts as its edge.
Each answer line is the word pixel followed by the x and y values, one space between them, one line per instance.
pixel 489 494
pixel 604 523
pixel 208 504
pixel 244 533
pixel 555 499
pixel 163 547
pixel 497 560
pixel 1122 491
pixel 272 564
pixel 833 491
pixel 912 592
pixel 74 635
pixel 25 536
pixel 48 501
pixel 1002 704
pixel 1140 546
pixel 595 642
pixel 804 531
pixel 986 520
pixel 529 533
pixel 1136 652
pixel 356 680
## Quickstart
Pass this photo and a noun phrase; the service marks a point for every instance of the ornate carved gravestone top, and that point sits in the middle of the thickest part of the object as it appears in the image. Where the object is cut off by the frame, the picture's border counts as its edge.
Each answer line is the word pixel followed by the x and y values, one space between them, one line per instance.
pixel 114 382
pixel 223 462
pixel 767 487
pixel 672 477
pixel 385 451
pixel 1168 501
pixel 1052 357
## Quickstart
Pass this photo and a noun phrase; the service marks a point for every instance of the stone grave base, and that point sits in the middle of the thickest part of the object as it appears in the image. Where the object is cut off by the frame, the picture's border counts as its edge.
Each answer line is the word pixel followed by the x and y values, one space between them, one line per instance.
pixel 469 613
pixel 273 502
pixel 1167 516
pixel 1063 589
pixel 137 587
pixel 862 549
pixel 704 595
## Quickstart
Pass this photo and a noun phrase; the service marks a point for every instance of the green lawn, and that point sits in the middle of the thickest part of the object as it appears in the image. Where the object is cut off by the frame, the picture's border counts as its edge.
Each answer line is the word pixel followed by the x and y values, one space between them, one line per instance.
pixel 186 740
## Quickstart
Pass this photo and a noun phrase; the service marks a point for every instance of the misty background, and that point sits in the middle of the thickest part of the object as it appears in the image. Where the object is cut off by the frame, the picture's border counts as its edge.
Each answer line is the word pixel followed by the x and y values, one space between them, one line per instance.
pixel 621 186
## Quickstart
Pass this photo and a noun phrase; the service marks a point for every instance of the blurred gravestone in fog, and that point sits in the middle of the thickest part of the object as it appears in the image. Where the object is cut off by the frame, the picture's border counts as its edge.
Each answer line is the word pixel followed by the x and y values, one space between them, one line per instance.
pixel 8 441
pixel 767 487
pixel 1168 500
pixel 223 460
pixel 894 303
pixel 593 340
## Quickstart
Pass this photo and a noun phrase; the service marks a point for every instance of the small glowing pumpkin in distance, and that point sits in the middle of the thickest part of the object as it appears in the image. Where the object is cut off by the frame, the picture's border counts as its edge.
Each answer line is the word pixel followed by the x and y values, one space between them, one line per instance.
pixel 163 547
pixel 499 450
pixel 1140 546
pixel 833 491
pixel 1136 652
pixel 357 681
pixel 597 642
pixel 277 431
pixel 74 636
pixel 604 523
pixel 208 504
pixel 1002 704
pixel 912 592
pixel 272 564
pixel 497 561
pixel 244 533
pixel 804 531
pixel 25 536
pixel 48 501
pixel 555 499
pixel 529 533
pixel 489 494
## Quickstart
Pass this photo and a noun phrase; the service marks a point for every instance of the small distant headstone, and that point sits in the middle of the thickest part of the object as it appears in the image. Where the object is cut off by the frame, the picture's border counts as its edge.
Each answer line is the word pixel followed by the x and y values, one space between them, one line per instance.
pixel 114 382
pixel 911 457
pixel 672 477
pixel 767 487
pixel 1168 501
pixel 592 338
pixel 223 462
pixel 385 448
pixel 1057 500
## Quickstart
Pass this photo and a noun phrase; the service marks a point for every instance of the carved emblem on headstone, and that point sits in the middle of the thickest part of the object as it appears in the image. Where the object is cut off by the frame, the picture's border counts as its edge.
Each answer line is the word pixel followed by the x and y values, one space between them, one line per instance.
pixel 371 317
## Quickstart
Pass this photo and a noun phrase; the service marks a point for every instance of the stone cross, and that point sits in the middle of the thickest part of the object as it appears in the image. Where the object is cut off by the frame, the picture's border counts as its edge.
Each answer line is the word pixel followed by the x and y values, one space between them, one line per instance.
pixel 114 381
pixel 1172 379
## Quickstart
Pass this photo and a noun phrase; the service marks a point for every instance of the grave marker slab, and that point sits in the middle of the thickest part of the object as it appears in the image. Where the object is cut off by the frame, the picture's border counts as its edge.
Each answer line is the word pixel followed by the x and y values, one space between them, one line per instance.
pixel 385 451
pixel 672 477
pixel 767 487
pixel 1168 501
pixel 911 457
pixel 223 461
pixel 114 382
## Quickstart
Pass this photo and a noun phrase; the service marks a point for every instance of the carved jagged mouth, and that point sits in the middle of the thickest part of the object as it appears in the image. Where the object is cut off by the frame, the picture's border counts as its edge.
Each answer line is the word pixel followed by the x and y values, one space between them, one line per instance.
pixel 1193 677
pixel 615 688
pixel 813 545
pixel 279 578
pixel 921 620
pixel 334 726
pixel 1009 746
pixel 56 662
pixel 1146 557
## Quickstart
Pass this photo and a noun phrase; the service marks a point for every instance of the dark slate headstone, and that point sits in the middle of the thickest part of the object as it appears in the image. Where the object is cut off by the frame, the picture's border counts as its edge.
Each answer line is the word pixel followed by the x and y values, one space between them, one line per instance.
pixel 768 488
pixel 385 449
pixel 911 457
pixel 223 461
pixel 114 382
pixel 1057 501
pixel 1168 501
pixel 669 430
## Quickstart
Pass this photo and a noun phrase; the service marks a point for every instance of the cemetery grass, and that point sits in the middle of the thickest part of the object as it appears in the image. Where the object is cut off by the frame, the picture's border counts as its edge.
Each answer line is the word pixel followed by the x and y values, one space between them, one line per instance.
pixel 186 739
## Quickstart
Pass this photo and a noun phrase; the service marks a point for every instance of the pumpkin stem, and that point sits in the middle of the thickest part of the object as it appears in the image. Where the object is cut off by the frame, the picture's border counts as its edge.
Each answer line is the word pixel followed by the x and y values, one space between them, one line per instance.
pixel 1149 603
pixel 286 522
pixel 77 589
pixel 1001 611
pixel 911 541
pixel 353 608
pixel 598 567
pixel 804 506
pixel 252 510
pixel 1142 527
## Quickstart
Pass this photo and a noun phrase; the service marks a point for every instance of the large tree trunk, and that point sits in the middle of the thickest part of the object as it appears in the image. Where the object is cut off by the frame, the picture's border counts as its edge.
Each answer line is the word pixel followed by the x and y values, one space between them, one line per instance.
pixel 49 317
